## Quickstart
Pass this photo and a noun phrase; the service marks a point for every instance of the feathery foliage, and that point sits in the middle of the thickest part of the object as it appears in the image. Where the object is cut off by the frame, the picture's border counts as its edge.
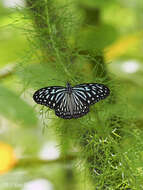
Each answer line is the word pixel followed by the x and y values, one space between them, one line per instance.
pixel 107 141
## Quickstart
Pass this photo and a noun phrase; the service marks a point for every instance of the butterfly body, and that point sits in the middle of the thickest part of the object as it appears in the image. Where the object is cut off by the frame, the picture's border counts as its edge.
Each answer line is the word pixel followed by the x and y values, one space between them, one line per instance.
pixel 71 102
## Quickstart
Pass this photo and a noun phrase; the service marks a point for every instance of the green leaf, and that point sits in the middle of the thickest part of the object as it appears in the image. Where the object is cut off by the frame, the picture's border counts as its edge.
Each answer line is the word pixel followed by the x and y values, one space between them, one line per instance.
pixel 14 108
pixel 94 38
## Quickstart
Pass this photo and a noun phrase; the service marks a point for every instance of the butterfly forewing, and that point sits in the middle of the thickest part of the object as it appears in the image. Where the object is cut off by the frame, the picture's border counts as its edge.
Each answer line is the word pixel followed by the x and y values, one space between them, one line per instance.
pixel 49 96
pixel 91 93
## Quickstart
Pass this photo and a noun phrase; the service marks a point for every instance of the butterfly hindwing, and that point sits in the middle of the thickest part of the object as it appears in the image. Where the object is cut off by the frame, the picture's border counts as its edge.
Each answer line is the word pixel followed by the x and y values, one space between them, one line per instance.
pixel 71 107
pixel 76 114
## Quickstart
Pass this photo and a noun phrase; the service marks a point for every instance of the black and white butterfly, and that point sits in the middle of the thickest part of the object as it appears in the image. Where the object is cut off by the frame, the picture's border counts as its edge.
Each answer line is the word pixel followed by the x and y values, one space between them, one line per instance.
pixel 71 102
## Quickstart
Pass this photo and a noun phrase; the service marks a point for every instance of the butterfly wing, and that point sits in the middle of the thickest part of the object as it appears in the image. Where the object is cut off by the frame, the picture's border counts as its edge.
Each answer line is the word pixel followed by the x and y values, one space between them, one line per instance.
pixel 71 107
pixel 72 104
pixel 49 96
pixel 91 93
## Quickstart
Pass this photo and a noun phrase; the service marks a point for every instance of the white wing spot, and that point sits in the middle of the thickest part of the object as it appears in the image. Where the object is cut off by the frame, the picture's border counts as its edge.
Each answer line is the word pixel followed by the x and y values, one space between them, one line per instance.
pixel 89 94
pixel 99 86
pixel 93 92
pixel 41 92
pixel 87 89
pixel 53 91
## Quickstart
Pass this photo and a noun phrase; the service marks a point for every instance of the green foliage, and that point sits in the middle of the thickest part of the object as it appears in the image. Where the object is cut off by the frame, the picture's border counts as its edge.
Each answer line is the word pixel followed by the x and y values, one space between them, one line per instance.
pixel 101 135
pixel 91 37
pixel 13 107
pixel 3 11
pixel 96 4
pixel 107 142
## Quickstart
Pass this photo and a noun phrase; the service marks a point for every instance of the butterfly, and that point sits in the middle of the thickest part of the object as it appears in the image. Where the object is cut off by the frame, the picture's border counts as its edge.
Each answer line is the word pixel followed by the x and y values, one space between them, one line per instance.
pixel 71 102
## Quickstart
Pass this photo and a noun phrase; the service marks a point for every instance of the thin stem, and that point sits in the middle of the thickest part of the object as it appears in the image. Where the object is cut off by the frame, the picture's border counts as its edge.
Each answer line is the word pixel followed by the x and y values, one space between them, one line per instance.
pixel 36 162
pixel 57 52
pixel 7 70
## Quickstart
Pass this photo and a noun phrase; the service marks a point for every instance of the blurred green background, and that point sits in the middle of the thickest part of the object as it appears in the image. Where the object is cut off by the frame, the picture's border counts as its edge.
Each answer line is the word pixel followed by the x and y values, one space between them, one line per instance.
pixel 31 159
